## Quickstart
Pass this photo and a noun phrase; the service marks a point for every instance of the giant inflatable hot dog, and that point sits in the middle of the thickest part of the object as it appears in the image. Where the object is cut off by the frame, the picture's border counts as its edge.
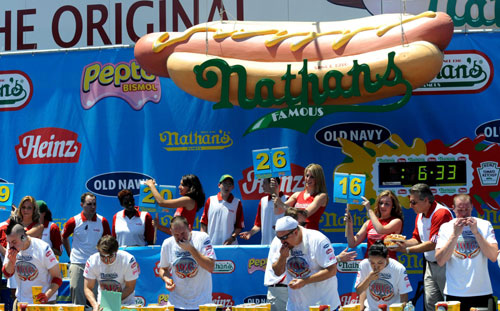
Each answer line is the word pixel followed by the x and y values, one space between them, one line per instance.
pixel 282 63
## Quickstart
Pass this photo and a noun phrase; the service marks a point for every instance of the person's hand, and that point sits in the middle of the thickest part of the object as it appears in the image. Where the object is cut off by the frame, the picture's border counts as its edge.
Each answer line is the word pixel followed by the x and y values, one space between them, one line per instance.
pixel 401 247
pixel 42 298
pixel 373 275
pixel 150 183
pixel 285 250
pixel 366 204
pixel 245 235
pixel 12 254
pixel 169 284
pixel 97 308
pixel 229 240
pixel 459 225
pixel 297 283
pixel 472 223
pixel 347 215
pixel 345 256
pixel 185 245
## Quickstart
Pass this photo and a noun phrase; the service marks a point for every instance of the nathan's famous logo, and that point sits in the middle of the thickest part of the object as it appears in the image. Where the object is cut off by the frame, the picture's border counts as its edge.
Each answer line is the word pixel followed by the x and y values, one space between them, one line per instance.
pixel 334 221
pixel 202 140
pixel 471 13
pixel 300 115
pixel 224 266
pixel 109 184
pixel 127 81
pixel 356 132
pixel 414 263
pixel 48 145
pixel 26 271
pixel 223 299
pixel 251 188
pixel 348 266
pixel 256 264
pixel 462 72
pixel 16 90
pixel 364 159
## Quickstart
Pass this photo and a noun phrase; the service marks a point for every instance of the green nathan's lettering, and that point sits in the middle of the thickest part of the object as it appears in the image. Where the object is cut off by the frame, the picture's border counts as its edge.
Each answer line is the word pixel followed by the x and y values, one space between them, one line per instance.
pixel 207 78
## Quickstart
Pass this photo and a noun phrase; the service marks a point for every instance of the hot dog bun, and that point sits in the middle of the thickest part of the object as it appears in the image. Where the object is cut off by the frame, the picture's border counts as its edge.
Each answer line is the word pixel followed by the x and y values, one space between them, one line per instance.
pixel 390 240
pixel 265 49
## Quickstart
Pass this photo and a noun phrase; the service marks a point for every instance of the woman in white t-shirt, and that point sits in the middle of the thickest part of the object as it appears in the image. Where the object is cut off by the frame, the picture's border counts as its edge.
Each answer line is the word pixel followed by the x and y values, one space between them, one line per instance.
pixel 384 279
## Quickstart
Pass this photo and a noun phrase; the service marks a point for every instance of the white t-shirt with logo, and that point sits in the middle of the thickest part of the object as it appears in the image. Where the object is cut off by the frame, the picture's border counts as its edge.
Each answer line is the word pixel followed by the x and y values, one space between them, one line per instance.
pixel 467 270
pixel 112 277
pixel 32 269
pixel 391 283
pixel 193 284
pixel 313 254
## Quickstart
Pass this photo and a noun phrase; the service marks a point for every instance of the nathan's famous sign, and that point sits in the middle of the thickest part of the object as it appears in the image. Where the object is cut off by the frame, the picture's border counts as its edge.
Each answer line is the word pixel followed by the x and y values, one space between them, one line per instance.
pixel 306 70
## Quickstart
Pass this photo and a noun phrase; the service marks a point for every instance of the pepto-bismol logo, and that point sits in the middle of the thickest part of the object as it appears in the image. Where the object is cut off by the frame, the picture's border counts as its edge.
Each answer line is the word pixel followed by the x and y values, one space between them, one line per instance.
pixel 127 81
pixel 463 72
pixel 16 90
pixel 203 140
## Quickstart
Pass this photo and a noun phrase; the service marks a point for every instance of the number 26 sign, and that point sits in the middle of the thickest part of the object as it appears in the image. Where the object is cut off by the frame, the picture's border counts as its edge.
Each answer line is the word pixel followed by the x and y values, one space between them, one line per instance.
pixel 271 162
pixel 348 188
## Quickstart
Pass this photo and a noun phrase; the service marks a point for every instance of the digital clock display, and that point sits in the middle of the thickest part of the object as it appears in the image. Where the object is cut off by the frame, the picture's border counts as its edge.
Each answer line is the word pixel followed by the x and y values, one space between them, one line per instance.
pixel 435 173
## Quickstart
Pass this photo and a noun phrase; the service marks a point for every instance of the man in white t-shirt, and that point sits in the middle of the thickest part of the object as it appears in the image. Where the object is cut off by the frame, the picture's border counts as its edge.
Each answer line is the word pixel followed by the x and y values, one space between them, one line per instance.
pixel 310 264
pixel 187 261
pixel 267 212
pixel 465 244
pixel 222 216
pixel 33 263
pixel 112 270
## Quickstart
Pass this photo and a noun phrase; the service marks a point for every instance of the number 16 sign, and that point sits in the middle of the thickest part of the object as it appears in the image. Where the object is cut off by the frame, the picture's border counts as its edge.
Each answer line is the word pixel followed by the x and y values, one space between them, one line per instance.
pixel 348 188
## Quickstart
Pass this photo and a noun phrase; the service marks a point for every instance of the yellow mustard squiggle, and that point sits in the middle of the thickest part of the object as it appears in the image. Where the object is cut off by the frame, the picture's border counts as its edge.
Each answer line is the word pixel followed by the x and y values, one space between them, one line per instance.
pixel 159 44
pixel 280 35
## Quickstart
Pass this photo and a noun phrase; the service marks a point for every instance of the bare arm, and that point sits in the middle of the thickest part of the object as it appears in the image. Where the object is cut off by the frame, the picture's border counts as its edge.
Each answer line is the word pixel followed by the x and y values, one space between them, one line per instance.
pixel 490 250
pixel 166 277
pixel 354 240
pixel 248 234
pixel 183 201
pixel 444 254
pixel 89 294
pixel 203 228
pixel 66 245
pixel 280 264
pixel 282 207
pixel 403 297
pixel 129 289
pixel 319 200
pixel 205 262
pixel 363 285
pixel 393 226
pixel 319 276
pixel 36 231
pixel 55 273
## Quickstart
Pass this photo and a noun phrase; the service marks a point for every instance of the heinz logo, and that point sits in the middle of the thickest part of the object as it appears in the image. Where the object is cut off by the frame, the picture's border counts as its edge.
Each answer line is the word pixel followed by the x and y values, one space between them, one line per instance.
pixel 127 81
pixel 463 72
pixel 357 133
pixel 109 184
pixel 48 145
pixel 251 188
pixel 16 90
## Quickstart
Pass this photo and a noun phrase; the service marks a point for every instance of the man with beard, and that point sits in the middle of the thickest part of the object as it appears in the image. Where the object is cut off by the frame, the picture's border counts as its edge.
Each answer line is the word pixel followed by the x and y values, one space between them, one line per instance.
pixel 187 261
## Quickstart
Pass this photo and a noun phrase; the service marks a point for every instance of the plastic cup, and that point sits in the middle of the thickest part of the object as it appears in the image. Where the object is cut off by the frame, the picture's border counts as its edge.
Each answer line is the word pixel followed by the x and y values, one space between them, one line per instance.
pixel 2 307
pixel 35 290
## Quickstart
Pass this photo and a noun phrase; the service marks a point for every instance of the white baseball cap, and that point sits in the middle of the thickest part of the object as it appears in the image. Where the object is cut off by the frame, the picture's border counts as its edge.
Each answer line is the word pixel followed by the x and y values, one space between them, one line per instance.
pixel 286 223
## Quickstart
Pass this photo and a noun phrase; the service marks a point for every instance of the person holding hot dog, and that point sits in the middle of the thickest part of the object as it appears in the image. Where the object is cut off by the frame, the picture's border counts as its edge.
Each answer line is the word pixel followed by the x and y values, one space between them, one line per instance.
pixel 464 245
pixel 187 260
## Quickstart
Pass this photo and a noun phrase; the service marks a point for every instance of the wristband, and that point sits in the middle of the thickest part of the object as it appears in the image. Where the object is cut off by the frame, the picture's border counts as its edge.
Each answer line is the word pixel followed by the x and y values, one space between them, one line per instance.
pixel 7 275
pixel 407 250
pixel 57 281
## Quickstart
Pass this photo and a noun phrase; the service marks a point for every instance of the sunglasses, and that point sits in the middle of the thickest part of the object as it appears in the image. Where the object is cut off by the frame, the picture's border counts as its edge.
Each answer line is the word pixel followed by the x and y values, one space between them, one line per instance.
pixel 107 258
pixel 284 237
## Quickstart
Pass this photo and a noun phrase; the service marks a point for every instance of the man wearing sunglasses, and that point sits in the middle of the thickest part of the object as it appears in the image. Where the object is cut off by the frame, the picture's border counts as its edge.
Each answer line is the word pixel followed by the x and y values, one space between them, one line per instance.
pixel 87 228
pixel 310 264
pixel 113 270
pixel 430 217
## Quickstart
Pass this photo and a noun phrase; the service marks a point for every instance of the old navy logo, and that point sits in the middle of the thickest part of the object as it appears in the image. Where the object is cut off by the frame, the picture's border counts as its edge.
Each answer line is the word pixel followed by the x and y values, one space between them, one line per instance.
pixel 299 106
pixel 127 81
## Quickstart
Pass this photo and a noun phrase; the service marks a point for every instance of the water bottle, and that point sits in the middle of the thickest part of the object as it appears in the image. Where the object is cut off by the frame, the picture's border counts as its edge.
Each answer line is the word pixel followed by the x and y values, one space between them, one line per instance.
pixel 409 307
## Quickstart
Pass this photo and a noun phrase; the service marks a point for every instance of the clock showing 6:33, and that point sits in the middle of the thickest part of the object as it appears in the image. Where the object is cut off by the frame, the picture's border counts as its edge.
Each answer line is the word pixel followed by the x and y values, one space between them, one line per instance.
pixel 448 174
